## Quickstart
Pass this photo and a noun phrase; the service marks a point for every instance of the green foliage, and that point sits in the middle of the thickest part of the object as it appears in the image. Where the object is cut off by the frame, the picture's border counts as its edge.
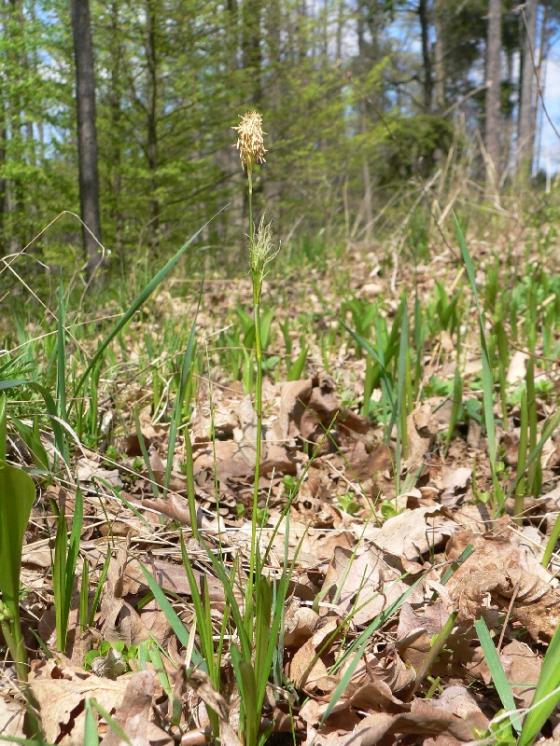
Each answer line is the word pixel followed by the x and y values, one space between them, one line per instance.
pixel 412 146
pixel 17 494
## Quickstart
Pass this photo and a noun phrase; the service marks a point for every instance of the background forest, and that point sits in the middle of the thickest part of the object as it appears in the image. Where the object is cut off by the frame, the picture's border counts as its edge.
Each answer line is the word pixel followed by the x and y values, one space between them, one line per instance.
pixel 362 102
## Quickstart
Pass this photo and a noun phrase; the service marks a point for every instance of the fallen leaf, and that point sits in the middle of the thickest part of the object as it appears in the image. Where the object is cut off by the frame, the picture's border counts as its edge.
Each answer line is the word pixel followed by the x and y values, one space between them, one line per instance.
pixel 12 716
pixel 61 691
pixel 503 566
pixel 307 669
pixel 364 582
pixel 409 535
pixel 88 469
pixel 134 714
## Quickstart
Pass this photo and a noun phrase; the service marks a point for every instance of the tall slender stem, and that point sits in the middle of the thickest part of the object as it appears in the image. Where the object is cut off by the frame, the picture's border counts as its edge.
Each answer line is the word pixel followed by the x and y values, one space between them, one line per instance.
pixel 258 444
pixel 250 190
pixel 256 274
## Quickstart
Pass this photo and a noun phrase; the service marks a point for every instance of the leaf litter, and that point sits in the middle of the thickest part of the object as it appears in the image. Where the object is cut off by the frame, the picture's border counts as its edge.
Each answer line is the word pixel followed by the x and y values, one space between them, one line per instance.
pixel 358 546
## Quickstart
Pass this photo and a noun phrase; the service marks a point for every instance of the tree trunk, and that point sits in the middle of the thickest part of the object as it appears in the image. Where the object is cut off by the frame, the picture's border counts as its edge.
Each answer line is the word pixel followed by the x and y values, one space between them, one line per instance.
pixel 3 184
pixel 439 56
pixel 526 130
pixel 427 79
pixel 87 133
pixel 16 144
pixel 116 121
pixel 340 22
pixel 251 47
pixel 493 92
pixel 151 122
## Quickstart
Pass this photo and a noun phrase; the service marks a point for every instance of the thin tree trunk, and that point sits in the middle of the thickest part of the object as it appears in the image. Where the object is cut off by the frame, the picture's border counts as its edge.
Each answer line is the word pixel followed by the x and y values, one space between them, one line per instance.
pixel 87 132
pixel 526 133
pixel 508 115
pixel 273 28
pixel 427 80
pixel 116 120
pixel 439 56
pixel 151 123
pixel 17 144
pixel 493 92
pixel 3 184
pixel 544 48
pixel 251 47
pixel 339 29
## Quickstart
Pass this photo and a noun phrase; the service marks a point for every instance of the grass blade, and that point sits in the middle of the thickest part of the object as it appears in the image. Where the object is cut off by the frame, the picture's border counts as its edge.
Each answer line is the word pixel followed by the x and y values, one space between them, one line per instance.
pixel 170 614
pixel 503 687
pixel 91 735
pixel 547 693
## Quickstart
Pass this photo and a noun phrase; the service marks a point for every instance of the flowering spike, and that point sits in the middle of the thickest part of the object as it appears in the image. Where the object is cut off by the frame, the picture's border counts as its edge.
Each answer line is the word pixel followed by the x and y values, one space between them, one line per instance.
pixel 250 141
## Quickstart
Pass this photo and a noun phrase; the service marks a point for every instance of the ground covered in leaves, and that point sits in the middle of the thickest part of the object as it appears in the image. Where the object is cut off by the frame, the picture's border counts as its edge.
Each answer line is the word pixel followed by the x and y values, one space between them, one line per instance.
pixel 397 556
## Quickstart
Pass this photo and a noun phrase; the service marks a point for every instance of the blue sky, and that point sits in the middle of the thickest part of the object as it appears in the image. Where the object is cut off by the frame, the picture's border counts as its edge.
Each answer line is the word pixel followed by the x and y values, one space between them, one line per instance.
pixel 550 147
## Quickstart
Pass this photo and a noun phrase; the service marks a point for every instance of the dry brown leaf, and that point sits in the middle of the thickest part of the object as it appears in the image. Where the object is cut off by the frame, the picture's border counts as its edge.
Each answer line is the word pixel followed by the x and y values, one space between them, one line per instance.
pixel 424 719
pixel 364 582
pixel 307 669
pixel 409 535
pixel 418 445
pixel 385 665
pixel 134 714
pixel 12 716
pixel 61 692
pixel 88 469
pixel 517 366
pixel 299 624
pixel 501 567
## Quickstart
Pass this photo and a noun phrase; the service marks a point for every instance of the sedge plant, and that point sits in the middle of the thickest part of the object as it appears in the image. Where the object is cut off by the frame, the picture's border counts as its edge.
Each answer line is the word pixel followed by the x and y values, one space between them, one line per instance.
pixel 250 144
pixel 257 624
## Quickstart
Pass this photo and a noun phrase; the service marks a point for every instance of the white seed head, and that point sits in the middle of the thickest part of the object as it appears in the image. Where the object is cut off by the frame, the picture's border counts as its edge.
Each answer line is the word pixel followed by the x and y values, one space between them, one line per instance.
pixel 250 142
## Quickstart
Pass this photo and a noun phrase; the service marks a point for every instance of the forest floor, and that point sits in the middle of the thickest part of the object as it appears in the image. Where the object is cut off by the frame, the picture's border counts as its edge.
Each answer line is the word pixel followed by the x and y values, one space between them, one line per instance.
pixel 403 586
